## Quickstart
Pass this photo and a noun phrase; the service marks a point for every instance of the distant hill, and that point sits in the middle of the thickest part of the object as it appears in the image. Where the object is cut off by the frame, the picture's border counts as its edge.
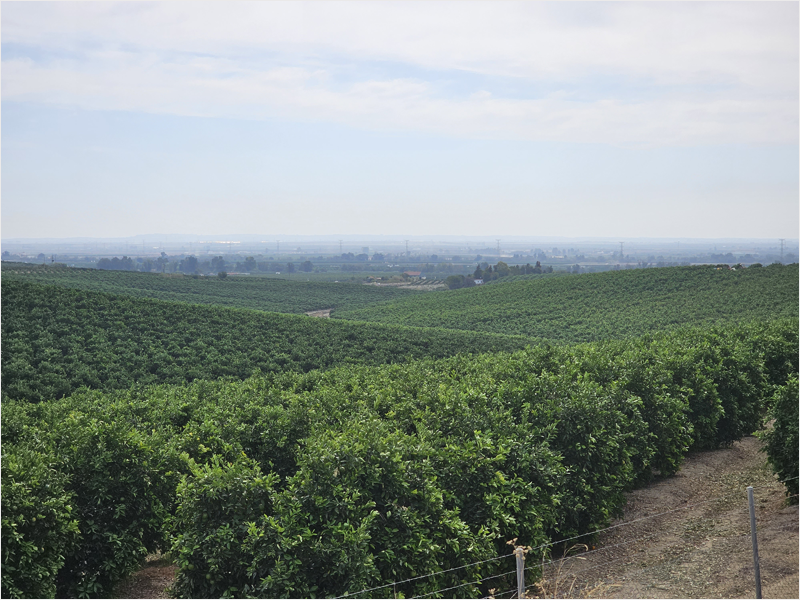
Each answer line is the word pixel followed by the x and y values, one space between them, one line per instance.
pixel 258 293
pixel 56 340
pixel 600 306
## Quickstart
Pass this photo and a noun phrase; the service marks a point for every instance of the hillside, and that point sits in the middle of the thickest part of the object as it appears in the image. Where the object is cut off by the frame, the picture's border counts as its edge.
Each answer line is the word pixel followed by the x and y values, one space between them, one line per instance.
pixel 325 483
pixel 56 340
pixel 258 293
pixel 600 306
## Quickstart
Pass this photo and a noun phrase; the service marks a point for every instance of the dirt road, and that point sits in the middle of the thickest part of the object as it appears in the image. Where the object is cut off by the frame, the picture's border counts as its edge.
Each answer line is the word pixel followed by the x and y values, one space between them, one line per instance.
pixel 688 536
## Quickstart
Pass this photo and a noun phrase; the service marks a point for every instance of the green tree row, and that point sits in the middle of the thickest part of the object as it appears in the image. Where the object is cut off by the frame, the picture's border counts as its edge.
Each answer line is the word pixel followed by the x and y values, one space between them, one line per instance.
pixel 326 483
pixel 600 306
pixel 56 340
pixel 273 295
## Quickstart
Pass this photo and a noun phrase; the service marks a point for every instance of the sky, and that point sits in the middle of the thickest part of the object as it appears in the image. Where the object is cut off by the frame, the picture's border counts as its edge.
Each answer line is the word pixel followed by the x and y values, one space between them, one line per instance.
pixel 630 119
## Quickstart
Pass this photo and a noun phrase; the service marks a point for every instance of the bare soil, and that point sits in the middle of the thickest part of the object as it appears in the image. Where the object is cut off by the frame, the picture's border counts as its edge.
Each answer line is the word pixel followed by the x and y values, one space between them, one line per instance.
pixel 322 314
pixel 153 580
pixel 411 286
pixel 688 536
pixel 426 286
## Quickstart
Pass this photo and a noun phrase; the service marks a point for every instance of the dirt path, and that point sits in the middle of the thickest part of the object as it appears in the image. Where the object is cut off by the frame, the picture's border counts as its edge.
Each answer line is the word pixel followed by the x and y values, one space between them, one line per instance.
pixel 691 538
pixel 151 581
pixel 412 286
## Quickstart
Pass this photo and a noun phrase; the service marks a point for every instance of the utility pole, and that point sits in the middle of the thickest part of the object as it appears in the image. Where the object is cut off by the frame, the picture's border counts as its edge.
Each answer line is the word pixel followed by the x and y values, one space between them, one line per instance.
pixel 782 240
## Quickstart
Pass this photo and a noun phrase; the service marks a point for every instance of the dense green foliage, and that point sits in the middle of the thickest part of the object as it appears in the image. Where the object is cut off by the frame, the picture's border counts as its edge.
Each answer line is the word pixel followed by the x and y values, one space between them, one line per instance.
pixel 56 340
pixel 782 440
pixel 600 306
pixel 118 488
pixel 258 293
pixel 341 464
pixel 324 483
pixel 38 527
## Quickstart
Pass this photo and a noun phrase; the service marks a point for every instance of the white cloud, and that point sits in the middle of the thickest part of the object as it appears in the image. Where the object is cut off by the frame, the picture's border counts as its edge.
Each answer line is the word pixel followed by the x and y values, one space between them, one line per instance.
pixel 713 72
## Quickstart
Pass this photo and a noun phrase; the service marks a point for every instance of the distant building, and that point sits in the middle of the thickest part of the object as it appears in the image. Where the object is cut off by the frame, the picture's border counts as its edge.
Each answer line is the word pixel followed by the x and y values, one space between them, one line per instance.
pixel 478 281
pixel 412 273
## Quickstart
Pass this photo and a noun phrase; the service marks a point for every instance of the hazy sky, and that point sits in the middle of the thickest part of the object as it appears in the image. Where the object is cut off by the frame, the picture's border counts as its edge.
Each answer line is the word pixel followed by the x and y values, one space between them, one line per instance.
pixel 522 118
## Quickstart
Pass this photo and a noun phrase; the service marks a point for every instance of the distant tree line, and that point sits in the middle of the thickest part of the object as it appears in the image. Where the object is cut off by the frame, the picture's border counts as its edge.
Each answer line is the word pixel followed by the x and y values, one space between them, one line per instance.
pixel 190 265
pixel 116 264
pixel 485 273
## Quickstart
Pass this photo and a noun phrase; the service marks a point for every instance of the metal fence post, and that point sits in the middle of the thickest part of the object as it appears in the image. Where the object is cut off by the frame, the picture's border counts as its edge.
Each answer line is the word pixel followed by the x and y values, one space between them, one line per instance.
pixel 755 539
pixel 520 552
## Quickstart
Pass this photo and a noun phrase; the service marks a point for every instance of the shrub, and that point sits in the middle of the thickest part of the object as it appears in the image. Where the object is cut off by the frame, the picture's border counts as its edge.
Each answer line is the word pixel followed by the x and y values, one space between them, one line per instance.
pixel 217 505
pixel 741 384
pixel 639 369
pixel 689 362
pixel 122 487
pixel 38 525
pixel 369 476
pixel 600 435
pixel 782 439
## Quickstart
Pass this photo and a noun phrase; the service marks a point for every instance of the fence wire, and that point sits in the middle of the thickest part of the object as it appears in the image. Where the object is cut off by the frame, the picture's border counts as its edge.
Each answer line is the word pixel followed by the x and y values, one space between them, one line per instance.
pixel 395 583
pixel 507 594
pixel 684 556
pixel 705 554
pixel 778 554
pixel 478 582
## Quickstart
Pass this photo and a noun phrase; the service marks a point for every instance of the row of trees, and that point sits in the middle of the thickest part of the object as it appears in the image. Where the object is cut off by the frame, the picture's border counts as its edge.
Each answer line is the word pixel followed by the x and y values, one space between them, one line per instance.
pixel 191 265
pixel 260 293
pixel 116 264
pixel 329 483
pixel 56 340
pixel 485 273
pixel 250 265
pixel 600 305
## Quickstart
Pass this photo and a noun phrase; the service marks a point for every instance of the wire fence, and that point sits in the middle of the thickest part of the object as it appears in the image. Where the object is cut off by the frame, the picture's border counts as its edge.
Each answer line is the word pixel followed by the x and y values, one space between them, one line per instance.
pixel 698 550
pixel 702 550
pixel 778 553
pixel 394 584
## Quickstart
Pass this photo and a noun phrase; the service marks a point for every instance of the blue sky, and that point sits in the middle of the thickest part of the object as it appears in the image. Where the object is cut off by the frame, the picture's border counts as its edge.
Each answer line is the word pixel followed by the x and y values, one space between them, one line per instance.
pixel 549 119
